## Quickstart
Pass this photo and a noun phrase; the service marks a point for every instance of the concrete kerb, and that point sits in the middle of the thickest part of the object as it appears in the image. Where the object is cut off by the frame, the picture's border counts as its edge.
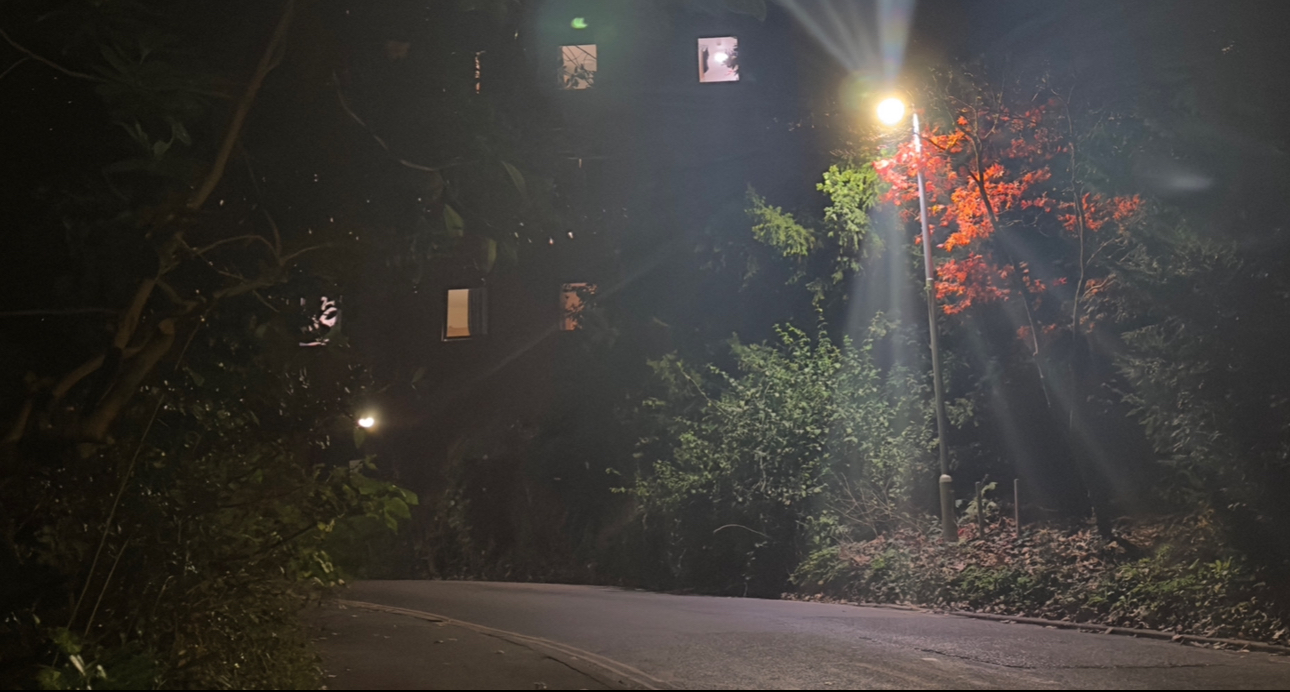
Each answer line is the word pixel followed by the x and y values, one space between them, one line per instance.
pixel 607 671
pixel 1085 626
pixel 1239 644
pixel 1127 631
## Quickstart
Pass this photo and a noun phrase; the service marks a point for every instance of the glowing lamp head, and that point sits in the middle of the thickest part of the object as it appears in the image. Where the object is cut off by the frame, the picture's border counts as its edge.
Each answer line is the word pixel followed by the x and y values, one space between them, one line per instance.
pixel 721 58
pixel 579 23
pixel 891 111
pixel 366 422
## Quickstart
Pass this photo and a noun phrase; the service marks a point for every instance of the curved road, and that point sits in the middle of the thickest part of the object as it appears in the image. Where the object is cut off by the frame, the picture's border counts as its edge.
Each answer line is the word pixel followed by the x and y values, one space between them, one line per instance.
pixel 706 642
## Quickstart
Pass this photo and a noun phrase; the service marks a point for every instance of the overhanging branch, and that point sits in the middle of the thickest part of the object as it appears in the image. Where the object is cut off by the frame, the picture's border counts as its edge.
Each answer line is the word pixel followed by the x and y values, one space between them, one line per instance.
pixel 269 60
pixel 344 105
pixel 45 61
pixel 57 312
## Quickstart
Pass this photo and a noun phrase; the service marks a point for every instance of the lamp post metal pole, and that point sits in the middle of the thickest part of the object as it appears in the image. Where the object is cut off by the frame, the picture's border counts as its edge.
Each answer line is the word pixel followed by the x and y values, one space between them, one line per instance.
pixel 949 527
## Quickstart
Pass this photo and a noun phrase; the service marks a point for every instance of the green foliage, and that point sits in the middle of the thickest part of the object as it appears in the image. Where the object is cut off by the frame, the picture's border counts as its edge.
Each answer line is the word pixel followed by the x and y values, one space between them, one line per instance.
pixel 853 190
pixel 214 529
pixel 754 467
pixel 1200 322
pixel 987 509
pixel 822 257
pixel 773 227
pixel 167 515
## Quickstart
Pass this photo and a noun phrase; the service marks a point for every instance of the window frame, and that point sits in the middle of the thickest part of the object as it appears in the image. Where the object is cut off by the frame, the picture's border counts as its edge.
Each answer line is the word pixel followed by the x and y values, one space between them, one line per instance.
pixel 571 321
pixel 699 47
pixel 566 78
pixel 476 313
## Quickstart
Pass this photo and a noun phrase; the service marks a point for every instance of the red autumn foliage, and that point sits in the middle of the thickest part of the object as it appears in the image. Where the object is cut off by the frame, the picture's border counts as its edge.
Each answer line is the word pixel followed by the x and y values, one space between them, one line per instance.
pixel 974 277
pixel 989 167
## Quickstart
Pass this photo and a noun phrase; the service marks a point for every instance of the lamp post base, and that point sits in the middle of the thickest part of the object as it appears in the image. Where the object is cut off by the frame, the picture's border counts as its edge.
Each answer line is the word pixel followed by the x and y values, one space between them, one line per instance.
pixel 949 527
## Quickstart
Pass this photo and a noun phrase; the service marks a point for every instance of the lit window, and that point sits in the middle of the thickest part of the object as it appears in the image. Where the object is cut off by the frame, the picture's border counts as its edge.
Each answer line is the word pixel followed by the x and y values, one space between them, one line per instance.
pixel 573 301
pixel 467 314
pixel 578 66
pixel 719 59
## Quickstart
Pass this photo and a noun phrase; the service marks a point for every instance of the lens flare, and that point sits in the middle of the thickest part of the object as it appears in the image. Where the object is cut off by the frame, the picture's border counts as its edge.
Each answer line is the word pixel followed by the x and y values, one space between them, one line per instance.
pixel 891 111
pixel 863 37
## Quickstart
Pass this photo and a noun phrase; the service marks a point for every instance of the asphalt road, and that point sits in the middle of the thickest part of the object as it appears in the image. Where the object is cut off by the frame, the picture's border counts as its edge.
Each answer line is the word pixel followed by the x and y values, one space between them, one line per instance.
pixel 705 642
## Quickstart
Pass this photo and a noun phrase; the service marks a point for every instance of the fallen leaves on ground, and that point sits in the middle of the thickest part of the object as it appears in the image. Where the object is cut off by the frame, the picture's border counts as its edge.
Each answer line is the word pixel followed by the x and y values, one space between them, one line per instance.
pixel 1173 575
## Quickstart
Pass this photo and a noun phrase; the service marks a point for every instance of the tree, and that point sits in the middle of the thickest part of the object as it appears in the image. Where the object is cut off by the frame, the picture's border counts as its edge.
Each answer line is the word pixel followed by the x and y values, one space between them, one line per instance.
pixel 1026 220
pixel 1202 323
pixel 1004 181
pixel 179 401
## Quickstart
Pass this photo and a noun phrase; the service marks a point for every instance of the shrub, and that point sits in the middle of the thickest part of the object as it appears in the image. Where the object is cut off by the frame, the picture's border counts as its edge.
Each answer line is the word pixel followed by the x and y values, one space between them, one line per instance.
pixel 754 468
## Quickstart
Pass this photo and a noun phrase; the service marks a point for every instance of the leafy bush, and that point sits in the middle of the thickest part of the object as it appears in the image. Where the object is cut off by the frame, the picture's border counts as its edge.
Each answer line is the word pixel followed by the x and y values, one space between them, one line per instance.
pixel 1202 324
pixel 179 554
pixel 754 468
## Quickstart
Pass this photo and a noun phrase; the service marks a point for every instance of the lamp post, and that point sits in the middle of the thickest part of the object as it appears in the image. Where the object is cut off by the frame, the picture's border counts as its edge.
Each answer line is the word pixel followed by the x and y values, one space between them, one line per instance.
pixel 891 112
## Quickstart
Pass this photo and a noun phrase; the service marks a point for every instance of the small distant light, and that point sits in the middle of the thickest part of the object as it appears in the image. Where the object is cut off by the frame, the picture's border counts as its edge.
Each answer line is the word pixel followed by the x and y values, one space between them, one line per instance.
pixel 891 111
pixel 721 58
pixel 366 422
pixel 579 23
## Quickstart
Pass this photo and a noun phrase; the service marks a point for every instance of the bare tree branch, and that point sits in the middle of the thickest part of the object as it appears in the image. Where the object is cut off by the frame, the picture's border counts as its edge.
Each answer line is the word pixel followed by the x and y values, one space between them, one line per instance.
pixel 112 513
pixel 739 526
pixel 266 303
pixel 20 422
pixel 269 60
pixel 285 260
pixel 175 298
pixel 96 425
pixel 58 312
pixel 143 358
pixel 402 161
pixel 130 318
pixel 14 66
pixel 212 246
pixel 46 61
pixel 255 184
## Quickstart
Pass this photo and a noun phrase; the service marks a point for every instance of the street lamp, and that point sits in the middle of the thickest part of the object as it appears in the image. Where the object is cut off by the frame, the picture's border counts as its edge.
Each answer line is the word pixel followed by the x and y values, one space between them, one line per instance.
pixel 891 112
pixel 366 422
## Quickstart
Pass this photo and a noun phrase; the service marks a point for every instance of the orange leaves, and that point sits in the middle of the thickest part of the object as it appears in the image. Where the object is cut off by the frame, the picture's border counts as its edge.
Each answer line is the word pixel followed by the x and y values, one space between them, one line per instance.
pixel 990 171
pixel 971 280
pixel 965 192
pixel 1099 210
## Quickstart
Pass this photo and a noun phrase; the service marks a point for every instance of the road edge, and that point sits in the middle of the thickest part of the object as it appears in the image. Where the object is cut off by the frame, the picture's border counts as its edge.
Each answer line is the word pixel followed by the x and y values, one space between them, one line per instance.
pixel 1089 627
pixel 607 671
pixel 1240 644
